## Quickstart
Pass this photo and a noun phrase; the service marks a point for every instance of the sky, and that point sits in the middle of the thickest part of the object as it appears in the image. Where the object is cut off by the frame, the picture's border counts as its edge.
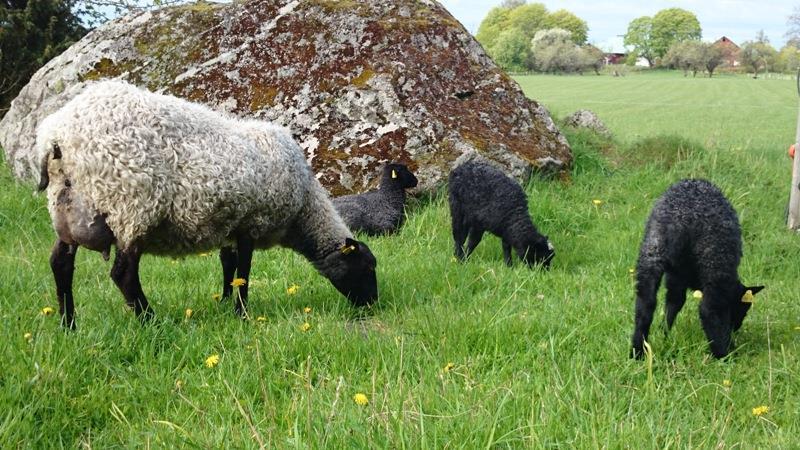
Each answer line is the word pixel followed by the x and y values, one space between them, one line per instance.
pixel 739 20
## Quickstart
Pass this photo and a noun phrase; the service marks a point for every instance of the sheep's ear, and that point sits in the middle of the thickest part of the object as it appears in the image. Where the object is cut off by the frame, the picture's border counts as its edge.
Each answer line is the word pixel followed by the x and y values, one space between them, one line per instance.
pixel 749 292
pixel 394 173
pixel 350 245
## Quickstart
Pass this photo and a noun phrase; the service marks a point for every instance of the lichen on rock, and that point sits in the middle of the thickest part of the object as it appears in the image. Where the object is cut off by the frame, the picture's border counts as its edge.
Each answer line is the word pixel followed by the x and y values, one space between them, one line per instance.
pixel 358 83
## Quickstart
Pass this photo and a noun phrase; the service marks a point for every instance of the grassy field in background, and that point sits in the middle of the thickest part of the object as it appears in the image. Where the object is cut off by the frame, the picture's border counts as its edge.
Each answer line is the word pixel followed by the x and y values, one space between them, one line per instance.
pixel 452 356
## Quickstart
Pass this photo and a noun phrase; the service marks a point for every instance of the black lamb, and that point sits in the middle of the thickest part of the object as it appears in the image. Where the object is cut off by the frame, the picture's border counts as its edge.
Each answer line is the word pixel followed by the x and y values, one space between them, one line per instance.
pixel 693 237
pixel 380 211
pixel 482 198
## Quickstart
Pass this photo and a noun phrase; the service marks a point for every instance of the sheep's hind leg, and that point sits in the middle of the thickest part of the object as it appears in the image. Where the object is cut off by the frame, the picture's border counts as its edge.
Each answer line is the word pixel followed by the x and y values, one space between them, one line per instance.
pixel 125 273
pixel 676 298
pixel 228 258
pixel 475 236
pixel 62 262
pixel 244 252
pixel 459 235
pixel 648 279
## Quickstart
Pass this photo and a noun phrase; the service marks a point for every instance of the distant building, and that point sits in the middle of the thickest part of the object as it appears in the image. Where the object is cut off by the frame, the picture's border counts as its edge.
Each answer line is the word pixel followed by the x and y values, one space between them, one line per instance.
pixel 615 58
pixel 730 51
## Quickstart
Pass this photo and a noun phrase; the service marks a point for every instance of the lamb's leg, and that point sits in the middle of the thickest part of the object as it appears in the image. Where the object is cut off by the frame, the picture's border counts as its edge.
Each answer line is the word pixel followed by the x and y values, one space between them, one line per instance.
pixel 459 234
pixel 244 252
pixel 475 236
pixel 647 282
pixel 125 273
pixel 62 262
pixel 676 297
pixel 716 321
pixel 228 258
pixel 507 253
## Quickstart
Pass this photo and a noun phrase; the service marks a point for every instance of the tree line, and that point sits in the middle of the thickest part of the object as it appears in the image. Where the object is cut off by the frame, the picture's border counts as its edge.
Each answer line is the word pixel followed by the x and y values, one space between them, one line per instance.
pixel 527 37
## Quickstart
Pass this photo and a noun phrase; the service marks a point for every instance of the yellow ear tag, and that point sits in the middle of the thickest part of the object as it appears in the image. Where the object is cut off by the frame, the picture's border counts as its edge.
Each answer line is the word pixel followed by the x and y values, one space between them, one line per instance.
pixel 347 249
pixel 748 297
pixel 698 295
pixel 394 174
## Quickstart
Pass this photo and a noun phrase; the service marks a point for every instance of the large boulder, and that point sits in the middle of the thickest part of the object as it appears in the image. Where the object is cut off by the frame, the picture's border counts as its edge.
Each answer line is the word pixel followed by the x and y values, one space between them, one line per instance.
pixel 359 84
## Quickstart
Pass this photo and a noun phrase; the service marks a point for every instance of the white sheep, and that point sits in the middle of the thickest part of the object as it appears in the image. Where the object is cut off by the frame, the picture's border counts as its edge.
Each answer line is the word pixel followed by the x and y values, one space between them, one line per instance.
pixel 156 174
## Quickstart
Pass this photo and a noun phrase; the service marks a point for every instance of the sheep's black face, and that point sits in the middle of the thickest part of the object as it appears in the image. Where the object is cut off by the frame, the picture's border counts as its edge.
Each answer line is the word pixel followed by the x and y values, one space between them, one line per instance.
pixel 352 272
pixel 742 304
pixel 400 172
pixel 541 252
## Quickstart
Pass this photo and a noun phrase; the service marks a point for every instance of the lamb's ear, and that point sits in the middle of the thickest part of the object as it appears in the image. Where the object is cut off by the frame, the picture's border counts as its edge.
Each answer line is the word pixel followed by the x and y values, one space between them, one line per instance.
pixel 350 246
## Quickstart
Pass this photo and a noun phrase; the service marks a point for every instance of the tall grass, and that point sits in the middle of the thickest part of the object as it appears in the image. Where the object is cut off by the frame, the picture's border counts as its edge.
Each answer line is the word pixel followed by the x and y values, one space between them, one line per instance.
pixel 472 355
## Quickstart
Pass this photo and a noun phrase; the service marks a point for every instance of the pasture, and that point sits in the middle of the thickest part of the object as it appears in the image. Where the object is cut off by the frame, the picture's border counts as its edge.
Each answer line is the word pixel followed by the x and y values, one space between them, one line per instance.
pixel 452 356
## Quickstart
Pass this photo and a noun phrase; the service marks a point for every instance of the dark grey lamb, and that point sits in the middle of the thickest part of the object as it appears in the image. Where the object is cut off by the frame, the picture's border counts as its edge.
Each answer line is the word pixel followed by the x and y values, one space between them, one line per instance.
pixel 482 198
pixel 381 211
pixel 693 237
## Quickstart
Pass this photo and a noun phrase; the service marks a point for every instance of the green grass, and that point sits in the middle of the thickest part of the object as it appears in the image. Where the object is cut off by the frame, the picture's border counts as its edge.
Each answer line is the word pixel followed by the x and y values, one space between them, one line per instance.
pixel 539 358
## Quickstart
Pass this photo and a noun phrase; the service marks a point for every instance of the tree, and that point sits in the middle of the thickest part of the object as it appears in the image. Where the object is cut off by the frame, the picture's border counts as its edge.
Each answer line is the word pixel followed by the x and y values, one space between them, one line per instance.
pixel 491 27
pixel 673 25
pixel 639 36
pixel 554 51
pixel 31 33
pixel 757 56
pixel 788 59
pixel 511 4
pixel 567 21
pixel 686 56
pixel 594 58
pixel 512 50
pixel 713 56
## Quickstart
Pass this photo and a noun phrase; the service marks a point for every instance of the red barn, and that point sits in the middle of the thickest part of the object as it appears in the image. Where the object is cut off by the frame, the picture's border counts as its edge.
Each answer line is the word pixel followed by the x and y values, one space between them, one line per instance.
pixel 730 51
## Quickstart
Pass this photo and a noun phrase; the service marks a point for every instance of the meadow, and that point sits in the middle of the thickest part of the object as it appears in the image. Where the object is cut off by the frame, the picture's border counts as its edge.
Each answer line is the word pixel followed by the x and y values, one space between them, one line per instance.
pixel 452 356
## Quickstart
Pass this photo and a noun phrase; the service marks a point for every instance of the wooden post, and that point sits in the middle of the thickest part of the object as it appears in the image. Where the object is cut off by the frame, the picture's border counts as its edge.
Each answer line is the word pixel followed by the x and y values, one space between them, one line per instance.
pixel 794 196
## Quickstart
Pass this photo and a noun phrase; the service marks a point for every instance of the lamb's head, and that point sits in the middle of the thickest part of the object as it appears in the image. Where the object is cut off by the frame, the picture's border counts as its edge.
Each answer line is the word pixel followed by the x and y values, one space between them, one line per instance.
pixel 540 252
pixel 399 173
pixel 351 270
pixel 742 302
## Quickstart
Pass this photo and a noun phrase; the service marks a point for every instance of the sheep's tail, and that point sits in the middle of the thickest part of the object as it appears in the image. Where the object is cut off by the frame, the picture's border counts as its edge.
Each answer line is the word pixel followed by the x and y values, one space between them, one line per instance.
pixel 44 176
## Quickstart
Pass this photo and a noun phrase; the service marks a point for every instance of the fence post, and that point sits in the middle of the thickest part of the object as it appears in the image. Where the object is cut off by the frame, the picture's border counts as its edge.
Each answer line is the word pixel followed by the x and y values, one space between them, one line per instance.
pixel 794 196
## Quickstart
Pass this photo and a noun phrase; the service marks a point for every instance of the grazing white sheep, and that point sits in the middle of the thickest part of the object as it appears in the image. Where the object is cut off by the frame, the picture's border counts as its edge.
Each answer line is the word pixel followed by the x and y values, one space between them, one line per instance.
pixel 156 174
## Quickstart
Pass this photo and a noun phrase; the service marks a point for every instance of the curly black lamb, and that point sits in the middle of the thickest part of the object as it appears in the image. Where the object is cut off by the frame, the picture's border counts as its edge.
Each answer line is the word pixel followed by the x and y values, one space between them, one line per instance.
pixel 692 236
pixel 482 198
pixel 381 211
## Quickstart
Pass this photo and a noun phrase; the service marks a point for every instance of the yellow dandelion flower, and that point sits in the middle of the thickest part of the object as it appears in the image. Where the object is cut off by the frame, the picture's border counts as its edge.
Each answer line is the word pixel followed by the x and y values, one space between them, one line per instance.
pixel 215 297
pixel 597 202
pixel 46 311
pixel 305 327
pixel 748 297
pixel 212 361
pixel 631 271
pixel 28 337
pixel 760 410
pixel 361 399
pixel 727 383
pixel 178 385
pixel 291 290
pixel 796 328
pixel 238 282
pixel 307 310
pixel 448 367
pixel 188 313
pixel 261 319
pixel 698 295
pixel 204 254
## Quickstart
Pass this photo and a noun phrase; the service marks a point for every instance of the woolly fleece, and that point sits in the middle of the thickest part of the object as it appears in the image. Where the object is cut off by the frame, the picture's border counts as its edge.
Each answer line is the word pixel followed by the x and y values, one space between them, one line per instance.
pixel 174 177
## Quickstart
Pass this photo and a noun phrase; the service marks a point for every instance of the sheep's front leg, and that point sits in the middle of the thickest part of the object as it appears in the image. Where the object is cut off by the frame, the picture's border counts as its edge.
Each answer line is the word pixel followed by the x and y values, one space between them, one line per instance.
pixel 507 253
pixel 648 279
pixel 62 262
pixel 125 273
pixel 676 298
pixel 244 252
pixel 228 258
